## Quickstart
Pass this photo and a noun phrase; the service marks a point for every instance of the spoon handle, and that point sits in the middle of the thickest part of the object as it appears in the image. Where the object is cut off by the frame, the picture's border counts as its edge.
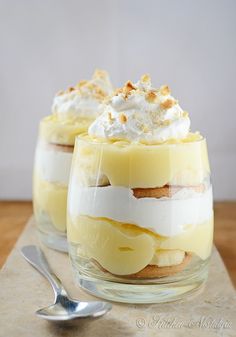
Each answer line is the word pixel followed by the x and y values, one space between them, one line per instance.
pixel 35 256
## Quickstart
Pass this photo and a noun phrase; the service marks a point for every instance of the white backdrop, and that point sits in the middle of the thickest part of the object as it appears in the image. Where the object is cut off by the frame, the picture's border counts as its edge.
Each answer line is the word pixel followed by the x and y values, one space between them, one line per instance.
pixel 49 45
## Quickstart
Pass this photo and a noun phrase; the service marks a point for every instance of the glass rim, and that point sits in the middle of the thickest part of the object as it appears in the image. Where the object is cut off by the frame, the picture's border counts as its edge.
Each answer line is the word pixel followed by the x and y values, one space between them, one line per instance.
pixel 84 137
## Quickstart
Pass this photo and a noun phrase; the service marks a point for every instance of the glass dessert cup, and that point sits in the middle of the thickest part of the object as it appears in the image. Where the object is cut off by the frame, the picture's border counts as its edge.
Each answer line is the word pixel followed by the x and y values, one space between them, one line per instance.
pixel 140 218
pixel 52 165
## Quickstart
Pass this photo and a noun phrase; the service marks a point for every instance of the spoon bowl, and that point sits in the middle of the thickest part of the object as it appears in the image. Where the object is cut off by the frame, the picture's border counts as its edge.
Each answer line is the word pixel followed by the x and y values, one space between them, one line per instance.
pixel 57 312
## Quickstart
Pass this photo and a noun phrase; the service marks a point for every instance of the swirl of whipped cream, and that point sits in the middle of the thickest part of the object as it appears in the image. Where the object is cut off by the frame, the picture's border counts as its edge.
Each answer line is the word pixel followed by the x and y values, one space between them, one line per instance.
pixel 82 100
pixel 138 112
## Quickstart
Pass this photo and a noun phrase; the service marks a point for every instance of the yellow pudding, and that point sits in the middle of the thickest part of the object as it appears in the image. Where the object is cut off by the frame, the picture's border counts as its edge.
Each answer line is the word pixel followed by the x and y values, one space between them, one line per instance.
pixel 106 171
pixel 124 249
pixel 50 199
pixel 54 130
pixel 140 165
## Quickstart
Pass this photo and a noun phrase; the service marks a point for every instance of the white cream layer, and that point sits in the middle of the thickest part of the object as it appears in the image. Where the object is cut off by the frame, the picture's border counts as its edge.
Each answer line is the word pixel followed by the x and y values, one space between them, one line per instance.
pixel 165 216
pixel 52 164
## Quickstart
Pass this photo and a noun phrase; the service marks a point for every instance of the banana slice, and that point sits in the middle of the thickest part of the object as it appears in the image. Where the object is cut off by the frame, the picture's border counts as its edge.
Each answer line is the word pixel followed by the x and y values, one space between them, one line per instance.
pixel 197 240
pixel 166 258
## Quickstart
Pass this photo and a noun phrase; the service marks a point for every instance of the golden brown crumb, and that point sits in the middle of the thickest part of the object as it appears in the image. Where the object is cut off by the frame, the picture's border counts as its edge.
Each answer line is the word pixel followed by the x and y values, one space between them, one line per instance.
pixel 100 92
pixel 123 118
pixel 165 90
pixel 151 97
pixel 91 86
pixel 145 78
pixel 81 83
pixel 110 117
pixel 128 88
pixel 167 104
pixel 68 90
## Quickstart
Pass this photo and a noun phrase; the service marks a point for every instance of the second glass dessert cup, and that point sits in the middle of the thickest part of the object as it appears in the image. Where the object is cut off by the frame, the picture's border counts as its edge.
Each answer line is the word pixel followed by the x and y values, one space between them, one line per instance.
pixel 53 157
pixel 140 218
pixel 73 111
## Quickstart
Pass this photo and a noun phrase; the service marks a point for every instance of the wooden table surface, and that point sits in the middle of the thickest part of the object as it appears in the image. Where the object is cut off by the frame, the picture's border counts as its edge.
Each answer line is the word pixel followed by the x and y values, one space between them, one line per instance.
pixel 14 214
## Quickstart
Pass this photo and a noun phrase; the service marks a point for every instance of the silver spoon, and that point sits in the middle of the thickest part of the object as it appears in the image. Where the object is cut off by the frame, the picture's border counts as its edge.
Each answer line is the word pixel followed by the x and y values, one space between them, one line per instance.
pixel 64 307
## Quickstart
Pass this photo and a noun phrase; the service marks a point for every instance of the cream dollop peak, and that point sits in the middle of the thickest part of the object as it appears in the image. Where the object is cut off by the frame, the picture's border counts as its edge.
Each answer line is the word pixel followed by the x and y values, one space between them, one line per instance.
pixel 140 112
pixel 83 99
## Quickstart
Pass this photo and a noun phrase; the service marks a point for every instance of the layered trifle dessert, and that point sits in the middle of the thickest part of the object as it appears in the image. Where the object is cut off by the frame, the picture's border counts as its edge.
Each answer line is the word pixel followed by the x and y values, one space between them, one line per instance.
pixel 140 209
pixel 73 110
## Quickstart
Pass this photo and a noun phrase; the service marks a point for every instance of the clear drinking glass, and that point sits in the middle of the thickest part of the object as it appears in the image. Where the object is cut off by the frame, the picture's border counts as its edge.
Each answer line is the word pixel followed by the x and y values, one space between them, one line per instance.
pixel 52 165
pixel 140 218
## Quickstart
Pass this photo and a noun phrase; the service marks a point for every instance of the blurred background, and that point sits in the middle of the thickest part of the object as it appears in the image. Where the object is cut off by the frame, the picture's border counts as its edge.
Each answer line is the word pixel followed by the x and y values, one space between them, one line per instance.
pixel 49 45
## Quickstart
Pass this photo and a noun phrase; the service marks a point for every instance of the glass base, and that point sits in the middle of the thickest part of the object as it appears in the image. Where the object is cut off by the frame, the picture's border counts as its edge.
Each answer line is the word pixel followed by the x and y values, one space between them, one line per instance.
pixel 54 240
pixel 156 292
pixel 49 234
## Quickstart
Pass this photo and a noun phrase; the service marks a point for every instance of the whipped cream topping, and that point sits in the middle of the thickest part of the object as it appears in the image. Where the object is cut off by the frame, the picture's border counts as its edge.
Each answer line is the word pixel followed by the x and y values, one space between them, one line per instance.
pixel 138 112
pixel 82 100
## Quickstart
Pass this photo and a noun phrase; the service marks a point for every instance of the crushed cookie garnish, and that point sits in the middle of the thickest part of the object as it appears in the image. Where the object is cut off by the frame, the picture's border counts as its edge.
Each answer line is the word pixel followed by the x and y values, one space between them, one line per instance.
pixel 91 86
pixel 145 78
pixel 165 90
pixel 151 97
pixel 167 104
pixel 111 119
pixel 128 88
pixel 100 92
pixel 81 83
pixel 123 118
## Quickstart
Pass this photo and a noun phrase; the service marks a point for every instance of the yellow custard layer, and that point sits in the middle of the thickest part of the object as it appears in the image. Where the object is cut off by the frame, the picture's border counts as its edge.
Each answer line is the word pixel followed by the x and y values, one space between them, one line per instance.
pixel 140 165
pixel 54 130
pixel 50 200
pixel 124 249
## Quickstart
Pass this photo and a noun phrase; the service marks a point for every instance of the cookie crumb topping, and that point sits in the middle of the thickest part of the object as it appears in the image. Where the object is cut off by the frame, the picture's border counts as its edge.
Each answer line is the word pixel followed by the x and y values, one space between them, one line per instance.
pixel 165 90
pixel 123 118
pixel 168 103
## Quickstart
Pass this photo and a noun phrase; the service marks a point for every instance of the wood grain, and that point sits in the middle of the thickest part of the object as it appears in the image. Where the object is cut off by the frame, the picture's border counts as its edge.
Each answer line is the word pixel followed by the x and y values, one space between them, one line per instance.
pixel 14 214
pixel 13 217
pixel 225 235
